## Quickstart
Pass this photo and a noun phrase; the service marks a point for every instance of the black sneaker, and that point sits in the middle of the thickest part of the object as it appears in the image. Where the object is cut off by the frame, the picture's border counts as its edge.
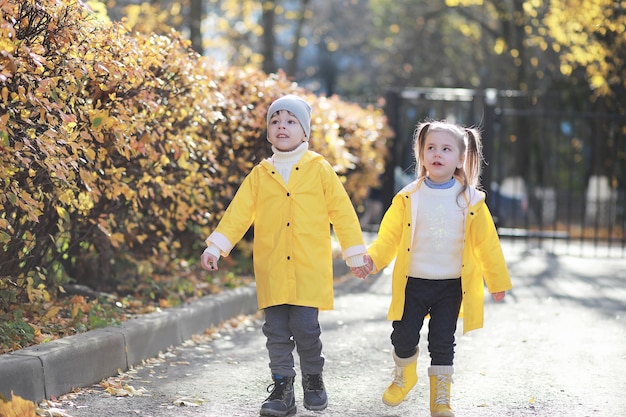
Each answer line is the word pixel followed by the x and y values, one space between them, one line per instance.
pixel 281 402
pixel 314 393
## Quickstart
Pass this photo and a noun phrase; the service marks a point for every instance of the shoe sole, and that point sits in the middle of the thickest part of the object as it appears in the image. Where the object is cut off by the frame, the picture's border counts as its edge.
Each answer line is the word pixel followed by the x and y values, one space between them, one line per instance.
pixel 273 413
pixel 316 407
pixel 390 404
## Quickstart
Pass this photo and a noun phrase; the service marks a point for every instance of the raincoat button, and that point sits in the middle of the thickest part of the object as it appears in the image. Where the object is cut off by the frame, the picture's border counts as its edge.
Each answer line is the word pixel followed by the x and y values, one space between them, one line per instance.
pixel 288 258
pixel 288 194
pixel 288 224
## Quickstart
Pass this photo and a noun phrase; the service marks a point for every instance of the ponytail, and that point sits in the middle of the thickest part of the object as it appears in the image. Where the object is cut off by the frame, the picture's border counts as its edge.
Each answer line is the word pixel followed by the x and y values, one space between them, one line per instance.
pixel 473 157
pixel 419 138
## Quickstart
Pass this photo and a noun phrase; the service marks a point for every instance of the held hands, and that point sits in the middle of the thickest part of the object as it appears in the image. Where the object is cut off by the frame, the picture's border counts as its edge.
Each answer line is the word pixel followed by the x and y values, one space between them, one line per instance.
pixel 363 271
pixel 208 261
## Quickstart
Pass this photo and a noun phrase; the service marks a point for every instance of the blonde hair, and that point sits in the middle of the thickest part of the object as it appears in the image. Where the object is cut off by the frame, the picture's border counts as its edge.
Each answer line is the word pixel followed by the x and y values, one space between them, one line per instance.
pixel 469 142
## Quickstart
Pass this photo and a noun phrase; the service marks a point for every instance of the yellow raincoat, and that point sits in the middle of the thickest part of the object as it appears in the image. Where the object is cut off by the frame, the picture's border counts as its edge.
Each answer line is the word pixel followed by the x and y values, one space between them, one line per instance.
pixel 292 230
pixel 482 253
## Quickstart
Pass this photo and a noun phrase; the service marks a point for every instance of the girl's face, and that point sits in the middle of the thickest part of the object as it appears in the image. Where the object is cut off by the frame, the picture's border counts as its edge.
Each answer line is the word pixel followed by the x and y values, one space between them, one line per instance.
pixel 442 156
pixel 285 131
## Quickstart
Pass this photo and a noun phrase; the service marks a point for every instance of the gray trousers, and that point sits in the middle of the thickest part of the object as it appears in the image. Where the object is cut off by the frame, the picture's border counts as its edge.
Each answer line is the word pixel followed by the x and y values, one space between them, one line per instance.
pixel 287 326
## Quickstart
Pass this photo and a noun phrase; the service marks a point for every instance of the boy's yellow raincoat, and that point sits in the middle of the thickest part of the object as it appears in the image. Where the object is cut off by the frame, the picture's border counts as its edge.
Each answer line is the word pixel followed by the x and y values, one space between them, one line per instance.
pixel 292 235
pixel 482 253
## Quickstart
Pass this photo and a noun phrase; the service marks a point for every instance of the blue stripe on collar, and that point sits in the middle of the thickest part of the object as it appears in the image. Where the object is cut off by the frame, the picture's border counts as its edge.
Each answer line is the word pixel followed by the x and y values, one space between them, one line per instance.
pixel 441 185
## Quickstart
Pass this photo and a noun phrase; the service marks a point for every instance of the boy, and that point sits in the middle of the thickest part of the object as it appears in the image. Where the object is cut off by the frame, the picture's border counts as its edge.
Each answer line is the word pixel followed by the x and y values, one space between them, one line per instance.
pixel 292 198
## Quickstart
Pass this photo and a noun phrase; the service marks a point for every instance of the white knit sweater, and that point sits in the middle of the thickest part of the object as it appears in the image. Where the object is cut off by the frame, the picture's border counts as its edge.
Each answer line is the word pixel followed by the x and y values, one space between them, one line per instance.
pixel 439 234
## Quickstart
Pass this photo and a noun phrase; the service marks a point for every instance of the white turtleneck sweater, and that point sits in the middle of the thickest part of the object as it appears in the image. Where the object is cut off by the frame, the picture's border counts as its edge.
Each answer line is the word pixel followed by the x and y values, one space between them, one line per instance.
pixel 439 233
pixel 284 161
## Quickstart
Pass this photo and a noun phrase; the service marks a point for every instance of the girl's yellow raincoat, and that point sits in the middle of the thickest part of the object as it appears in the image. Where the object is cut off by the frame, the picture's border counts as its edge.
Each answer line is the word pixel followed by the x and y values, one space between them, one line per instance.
pixel 292 230
pixel 482 253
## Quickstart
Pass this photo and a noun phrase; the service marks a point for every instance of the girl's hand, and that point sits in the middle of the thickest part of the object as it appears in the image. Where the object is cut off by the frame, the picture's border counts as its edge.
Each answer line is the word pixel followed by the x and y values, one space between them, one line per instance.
pixel 359 271
pixel 363 271
pixel 498 296
pixel 208 261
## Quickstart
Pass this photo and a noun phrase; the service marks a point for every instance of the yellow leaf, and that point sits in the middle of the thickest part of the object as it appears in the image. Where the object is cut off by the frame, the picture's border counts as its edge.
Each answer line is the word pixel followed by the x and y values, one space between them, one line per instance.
pixel 66 197
pixel 126 391
pixel 17 407
pixel 116 239
pixel 118 392
pixel 63 213
pixel 53 311
pixel 85 202
pixel 90 154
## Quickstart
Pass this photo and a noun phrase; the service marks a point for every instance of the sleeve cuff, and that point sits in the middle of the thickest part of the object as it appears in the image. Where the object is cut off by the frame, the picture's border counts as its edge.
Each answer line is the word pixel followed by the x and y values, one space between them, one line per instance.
pixel 221 242
pixel 354 250
pixel 355 261
pixel 213 250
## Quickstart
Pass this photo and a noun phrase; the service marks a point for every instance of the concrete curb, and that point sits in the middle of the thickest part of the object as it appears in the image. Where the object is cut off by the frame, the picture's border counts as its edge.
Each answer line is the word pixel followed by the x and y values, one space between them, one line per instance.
pixel 57 367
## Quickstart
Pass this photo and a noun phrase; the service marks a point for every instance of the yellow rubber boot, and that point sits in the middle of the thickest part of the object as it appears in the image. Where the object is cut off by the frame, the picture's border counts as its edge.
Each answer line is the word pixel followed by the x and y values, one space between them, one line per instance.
pixel 404 379
pixel 440 380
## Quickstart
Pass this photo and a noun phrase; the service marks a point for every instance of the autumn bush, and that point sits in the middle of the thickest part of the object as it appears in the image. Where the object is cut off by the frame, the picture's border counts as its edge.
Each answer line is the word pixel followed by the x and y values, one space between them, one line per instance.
pixel 120 151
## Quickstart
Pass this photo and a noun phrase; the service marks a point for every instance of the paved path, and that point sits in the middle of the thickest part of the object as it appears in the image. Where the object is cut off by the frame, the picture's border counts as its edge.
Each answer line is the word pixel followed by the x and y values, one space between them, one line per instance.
pixel 555 347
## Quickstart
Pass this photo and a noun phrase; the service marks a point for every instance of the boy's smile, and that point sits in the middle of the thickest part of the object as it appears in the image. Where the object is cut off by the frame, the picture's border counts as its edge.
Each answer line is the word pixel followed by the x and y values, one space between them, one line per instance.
pixel 285 132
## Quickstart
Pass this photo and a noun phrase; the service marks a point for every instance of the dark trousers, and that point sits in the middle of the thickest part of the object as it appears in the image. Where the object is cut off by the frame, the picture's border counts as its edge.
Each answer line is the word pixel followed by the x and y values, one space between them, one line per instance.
pixel 442 300
pixel 287 326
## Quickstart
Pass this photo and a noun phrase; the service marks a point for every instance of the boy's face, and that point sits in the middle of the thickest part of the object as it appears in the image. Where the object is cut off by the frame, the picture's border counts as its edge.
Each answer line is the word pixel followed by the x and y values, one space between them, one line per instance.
pixel 285 131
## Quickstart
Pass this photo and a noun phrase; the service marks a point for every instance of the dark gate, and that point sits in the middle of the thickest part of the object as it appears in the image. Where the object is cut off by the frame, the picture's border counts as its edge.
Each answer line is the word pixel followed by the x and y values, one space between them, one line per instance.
pixel 554 176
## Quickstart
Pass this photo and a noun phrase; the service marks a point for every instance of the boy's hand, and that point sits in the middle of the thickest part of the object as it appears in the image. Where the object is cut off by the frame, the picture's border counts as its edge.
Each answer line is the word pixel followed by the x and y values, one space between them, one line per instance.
pixel 498 296
pixel 208 261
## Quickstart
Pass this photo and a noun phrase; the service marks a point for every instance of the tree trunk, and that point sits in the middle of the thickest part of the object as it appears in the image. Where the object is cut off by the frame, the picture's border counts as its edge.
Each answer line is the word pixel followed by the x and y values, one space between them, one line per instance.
pixel 292 65
pixel 268 41
pixel 195 25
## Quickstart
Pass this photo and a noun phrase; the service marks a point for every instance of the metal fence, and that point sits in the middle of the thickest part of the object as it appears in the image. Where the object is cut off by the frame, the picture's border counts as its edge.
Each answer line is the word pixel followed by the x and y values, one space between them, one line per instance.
pixel 555 176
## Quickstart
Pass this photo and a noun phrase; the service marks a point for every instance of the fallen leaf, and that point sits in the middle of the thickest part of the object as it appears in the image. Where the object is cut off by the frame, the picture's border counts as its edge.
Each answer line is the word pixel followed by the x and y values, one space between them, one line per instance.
pixel 189 402
pixel 17 407
pixel 52 412
pixel 126 391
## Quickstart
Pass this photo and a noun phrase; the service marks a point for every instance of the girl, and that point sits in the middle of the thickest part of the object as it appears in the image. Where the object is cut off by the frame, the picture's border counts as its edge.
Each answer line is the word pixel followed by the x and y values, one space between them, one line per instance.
pixel 442 235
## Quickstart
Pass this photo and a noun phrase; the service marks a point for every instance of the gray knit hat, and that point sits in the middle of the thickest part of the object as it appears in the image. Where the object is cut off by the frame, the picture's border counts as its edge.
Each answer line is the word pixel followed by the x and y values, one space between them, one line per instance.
pixel 297 106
